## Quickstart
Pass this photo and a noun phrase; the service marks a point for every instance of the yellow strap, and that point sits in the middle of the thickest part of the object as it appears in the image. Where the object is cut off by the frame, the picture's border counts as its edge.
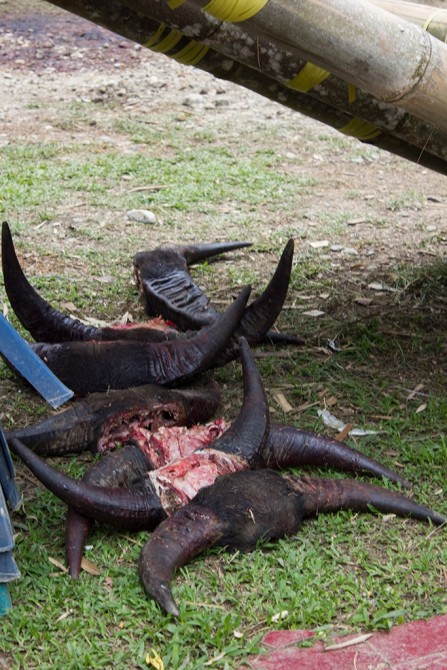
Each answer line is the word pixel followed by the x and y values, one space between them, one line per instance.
pixel 352 94
pixel 233 10
pixel 307 78
pixel 168 42
pixel 173 4
pixel 156 36
pixel 191 54
pixel 362 130
pixel 431 18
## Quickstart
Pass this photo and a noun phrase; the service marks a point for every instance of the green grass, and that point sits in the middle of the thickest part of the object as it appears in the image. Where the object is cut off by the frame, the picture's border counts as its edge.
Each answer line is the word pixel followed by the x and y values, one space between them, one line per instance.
pixel 66 201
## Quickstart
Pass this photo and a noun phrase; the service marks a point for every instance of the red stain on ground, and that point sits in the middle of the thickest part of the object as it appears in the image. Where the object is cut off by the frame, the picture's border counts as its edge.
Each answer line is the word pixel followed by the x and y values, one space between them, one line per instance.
pixel 419 645
pixel 66 43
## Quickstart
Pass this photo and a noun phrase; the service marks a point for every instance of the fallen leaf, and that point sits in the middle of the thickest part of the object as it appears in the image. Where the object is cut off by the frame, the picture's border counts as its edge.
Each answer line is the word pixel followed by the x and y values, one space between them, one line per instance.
pixel 58 564
pixel 69 307
pixel 363 301
pixel 314 312
pixel 415 391
pixel 64 616
pixel 108 583
pixel 343 433
pixel 153 658
pixel 421 408
pixel 283 402
pixel 349 643
pixel 376 286
pixel 215 659
pixel 90 567
pixel 280 615
pixel 331 421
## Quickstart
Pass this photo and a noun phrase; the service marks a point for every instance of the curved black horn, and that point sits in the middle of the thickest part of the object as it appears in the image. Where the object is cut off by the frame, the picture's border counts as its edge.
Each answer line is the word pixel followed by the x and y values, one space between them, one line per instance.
pixel 289 447
pixel 260 316
pixel 47 324
pixel 241 509
pixel 175 542
pixel 194 253
pixel 331 495
pixel 119 468
pixel 247 434
pixel 133 509
pixel 97 366
pixel 43 322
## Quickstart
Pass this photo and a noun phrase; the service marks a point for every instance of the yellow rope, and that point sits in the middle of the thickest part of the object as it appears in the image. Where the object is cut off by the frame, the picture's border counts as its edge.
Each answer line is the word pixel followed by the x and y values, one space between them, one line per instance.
pixel 191 54
pixel 362 130
pixel 156 36
pixel 168 42
pixel 307 78
pixel 431 18
pixel 234 10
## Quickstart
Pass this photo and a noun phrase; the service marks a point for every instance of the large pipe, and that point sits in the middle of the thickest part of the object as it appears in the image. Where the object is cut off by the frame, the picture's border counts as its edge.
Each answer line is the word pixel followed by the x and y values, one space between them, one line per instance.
pixel 368 117
pixel 394 60
pixel 400 134
pixel 431 19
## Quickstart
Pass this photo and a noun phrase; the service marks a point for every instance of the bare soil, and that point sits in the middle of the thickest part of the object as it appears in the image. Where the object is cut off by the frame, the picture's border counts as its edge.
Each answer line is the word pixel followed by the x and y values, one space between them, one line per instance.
pixel 383 218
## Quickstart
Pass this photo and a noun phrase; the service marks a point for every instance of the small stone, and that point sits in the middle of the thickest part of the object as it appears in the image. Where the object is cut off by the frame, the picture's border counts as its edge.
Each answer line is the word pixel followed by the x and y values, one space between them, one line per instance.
pixel 193 100
pixel 142 216
pixel 319 244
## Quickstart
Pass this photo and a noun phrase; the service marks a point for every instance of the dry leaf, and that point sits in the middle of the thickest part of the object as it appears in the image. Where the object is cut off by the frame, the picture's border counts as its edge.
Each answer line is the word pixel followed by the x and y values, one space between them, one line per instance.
pixel 349 643
pixel 283 402
pixel 280 615
pixel 343 433
pixel 90 567
pixel 421 408
pixel 415 391
pixel 58 564
pixel 68 307
pixel 376 286
pixel 153 658
pixel 314 312
pixel 215 659
pixel 64 616
pixel 108 583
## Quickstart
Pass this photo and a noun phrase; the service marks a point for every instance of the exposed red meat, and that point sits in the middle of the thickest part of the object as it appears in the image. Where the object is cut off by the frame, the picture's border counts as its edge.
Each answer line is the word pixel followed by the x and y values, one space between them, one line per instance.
pixel 177 483
pixel 169 444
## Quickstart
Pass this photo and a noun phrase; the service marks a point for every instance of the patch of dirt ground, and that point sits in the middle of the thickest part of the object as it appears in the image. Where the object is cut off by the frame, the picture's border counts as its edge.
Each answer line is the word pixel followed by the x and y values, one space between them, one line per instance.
pixel 374 221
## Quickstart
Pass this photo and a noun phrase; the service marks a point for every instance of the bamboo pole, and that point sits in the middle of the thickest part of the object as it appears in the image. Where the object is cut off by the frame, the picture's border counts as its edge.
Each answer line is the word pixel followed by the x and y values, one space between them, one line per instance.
pixel 394 60
pixel 431 19
pixel 370 117
pixel 123 20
